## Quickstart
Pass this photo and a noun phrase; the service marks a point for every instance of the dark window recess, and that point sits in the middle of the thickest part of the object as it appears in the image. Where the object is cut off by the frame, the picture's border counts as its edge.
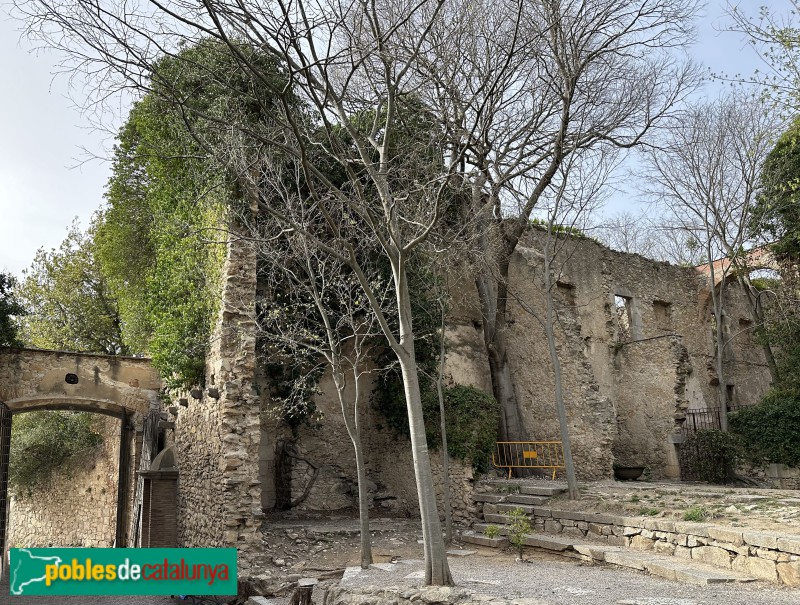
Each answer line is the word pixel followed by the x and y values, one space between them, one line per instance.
pixel 566 293
pixel 71 379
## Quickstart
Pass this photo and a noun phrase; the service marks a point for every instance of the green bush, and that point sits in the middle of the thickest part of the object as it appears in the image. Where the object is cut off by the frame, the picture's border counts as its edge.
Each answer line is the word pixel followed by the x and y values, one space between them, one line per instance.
pixel 41 442
pixel 697 513
pixel 519 526
pixel 472 417
pixel 716 455
pixel 770 431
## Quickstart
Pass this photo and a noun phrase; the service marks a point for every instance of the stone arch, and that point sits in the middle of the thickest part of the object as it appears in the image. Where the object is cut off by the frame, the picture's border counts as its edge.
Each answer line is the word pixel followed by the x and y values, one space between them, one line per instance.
pixel 126 388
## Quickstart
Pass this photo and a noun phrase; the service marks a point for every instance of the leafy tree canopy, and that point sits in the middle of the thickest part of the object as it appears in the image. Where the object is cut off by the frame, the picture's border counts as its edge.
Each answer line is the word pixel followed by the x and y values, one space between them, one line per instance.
pixel 778 205
pixel 69 303
pixel 10 308
pixel 160 236
pixel 43 441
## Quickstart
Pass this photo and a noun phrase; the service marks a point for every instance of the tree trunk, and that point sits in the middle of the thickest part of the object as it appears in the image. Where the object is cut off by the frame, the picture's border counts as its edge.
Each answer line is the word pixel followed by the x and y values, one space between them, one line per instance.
pixel 448 511
pixel 363 505
pixel 719 341
pixel 437 570
pixel 494 323
pixel 572 482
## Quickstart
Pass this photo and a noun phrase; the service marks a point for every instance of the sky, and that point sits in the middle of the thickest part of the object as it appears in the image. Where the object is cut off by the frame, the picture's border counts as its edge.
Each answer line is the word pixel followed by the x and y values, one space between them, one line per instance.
pixel 45 181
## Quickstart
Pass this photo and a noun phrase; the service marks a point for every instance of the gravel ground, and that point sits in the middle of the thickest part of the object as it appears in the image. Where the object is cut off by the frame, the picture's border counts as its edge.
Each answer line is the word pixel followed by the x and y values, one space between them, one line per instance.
pixel 572 583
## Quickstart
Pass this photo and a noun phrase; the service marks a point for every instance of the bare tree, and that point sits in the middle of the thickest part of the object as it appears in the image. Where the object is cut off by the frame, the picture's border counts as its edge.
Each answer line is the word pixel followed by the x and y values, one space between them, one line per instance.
pixel 706 176
pixel 626 232
pixel 775 37
pixel 522 86
pixel 316 304
pixel 349 67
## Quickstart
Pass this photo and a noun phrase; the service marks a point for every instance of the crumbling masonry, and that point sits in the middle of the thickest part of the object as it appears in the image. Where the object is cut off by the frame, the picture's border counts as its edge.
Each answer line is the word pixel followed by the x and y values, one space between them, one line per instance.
pixel 634 338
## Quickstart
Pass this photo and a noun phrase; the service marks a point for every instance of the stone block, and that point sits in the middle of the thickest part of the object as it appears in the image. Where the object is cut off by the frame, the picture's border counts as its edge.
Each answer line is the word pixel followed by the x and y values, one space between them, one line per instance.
pixel 664 548
pixel 789 573
pixel 765 553
pixel 691 528
pixel 595 529
pixel 761 539
pixel 725 534
pixel 631 531
pixel 712 555
pixel 790 545
pixel 641 543
pixel 754 566
pixel 682 552
pixel 574 532
pixel 618 540
pixel 551 526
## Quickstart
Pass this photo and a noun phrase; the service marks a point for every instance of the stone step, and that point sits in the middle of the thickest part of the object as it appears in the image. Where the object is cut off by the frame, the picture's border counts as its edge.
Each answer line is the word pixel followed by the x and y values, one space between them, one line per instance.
pixel 672 568
pixel 542 490
pixel 491 498
pixel 495 518
pixel 529 488
pixel 507 508
pixel 526 499
pixel 481 540
pixel 480 528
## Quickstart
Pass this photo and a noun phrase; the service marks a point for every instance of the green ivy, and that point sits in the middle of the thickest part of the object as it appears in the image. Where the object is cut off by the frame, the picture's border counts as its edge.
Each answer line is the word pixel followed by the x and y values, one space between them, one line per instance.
pixel 471 420
pixel 770 431
pixel 41 442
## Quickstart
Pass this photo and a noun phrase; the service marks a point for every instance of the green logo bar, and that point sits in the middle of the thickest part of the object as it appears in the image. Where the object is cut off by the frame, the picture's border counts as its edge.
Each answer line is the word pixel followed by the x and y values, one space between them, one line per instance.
pixel 122 571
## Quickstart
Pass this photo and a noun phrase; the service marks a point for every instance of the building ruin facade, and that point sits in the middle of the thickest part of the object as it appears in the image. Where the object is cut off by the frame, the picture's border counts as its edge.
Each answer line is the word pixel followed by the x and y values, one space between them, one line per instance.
pixel 636 344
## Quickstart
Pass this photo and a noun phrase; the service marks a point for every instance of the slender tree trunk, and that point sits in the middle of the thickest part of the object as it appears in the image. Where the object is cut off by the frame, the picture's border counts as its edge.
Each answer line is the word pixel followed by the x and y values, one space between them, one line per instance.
pixel 448 511
pixel 437 570
pixel 719 318
pixel 757 316
pixel 363 505
pixel 572 482
pixel 351 424
pixel 493 308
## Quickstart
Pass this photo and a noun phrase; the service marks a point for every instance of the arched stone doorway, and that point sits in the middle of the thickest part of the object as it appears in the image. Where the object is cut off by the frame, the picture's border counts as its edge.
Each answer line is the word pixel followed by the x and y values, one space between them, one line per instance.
pixel 125 388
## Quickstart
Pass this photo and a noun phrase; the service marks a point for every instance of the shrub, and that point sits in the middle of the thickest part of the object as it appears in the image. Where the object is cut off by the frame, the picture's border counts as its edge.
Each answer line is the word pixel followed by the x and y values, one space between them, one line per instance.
pixel 41 442
pixel 715 455
pixel 491 531
pixel 472 417
pixel 696 513
pixel 770 431
pixel 518 526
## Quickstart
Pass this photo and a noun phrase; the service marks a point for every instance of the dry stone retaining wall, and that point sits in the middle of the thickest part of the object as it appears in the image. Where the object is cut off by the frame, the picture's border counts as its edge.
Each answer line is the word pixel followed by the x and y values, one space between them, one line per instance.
pixel 764 555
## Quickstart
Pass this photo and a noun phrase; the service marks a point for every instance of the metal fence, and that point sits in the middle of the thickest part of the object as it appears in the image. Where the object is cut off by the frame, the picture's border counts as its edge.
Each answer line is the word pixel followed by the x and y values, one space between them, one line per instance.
pixel 690 454
pixel 547 455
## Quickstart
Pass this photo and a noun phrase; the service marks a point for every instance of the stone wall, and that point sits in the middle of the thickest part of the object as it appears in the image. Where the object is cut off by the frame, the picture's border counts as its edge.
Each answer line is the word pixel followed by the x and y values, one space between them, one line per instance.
pixel 217 433
pixel 765 555
pixel 323 462
pixel 77 506
pixel 626 386
pixel 408 595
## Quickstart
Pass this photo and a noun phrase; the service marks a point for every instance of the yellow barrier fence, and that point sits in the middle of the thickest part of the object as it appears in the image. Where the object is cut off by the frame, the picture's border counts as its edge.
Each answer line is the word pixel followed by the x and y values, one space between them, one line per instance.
pixel 528 454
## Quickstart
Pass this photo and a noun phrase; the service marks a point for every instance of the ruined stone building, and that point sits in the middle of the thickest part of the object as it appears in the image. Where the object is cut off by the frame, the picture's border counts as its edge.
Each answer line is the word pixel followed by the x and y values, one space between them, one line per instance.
pixel 634 337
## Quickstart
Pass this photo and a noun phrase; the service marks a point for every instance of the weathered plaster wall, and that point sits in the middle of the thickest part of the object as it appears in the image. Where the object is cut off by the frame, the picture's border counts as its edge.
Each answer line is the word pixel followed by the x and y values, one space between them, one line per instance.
pixel 78 504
